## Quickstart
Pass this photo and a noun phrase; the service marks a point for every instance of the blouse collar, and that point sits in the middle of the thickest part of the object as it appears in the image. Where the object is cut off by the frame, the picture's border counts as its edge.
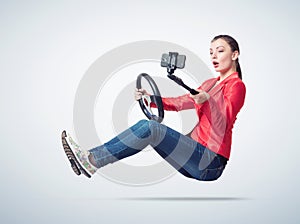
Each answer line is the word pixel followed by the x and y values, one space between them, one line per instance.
pixel 233 75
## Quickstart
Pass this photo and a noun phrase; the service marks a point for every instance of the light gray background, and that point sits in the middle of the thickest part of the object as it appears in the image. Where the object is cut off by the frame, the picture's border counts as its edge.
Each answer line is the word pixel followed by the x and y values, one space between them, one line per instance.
pixel 45 49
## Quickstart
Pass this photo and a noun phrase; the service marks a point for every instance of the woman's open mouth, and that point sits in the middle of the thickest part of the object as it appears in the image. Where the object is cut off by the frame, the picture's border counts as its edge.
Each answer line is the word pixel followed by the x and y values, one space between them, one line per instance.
pixel 216 64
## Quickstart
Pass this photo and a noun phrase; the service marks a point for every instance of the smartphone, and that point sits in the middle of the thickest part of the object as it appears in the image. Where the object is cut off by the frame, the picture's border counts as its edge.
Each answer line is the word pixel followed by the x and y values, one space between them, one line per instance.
pixel 173 60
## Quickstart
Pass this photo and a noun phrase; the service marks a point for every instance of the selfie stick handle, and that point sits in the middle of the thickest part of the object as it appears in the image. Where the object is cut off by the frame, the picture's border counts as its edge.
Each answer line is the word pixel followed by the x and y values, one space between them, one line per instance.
pixel 181 83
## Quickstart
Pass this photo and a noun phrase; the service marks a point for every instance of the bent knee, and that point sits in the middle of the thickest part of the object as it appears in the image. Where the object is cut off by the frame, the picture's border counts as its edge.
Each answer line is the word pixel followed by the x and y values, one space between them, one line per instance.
pixel 153 125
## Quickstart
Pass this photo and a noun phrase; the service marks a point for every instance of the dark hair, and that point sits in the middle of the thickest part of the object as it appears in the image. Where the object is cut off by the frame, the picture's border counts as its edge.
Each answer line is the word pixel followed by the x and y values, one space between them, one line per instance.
pixel 234 47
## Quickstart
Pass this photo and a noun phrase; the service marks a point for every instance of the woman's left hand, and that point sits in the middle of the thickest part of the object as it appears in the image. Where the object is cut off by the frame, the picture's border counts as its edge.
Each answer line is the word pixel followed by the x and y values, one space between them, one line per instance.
pixel 201 97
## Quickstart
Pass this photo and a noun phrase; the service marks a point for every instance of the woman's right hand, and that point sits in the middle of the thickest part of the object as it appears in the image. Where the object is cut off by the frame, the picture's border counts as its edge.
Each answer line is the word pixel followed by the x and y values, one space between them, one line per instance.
pixel 139 92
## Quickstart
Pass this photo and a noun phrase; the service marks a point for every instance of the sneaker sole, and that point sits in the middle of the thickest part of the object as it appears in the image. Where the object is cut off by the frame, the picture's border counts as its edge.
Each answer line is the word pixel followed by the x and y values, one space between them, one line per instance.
pixel 76 166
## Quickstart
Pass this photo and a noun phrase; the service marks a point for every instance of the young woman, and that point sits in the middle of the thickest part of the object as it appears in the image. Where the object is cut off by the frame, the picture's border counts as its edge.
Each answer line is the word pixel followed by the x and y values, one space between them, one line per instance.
pixel 203 154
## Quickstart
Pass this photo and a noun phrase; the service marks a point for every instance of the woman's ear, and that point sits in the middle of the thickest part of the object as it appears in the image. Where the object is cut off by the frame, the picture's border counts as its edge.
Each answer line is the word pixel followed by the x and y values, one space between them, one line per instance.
pixel 235 55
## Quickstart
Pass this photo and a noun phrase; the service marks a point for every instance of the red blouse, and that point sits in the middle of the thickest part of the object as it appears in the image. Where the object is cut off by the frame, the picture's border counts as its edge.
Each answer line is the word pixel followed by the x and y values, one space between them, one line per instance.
pixel 217 115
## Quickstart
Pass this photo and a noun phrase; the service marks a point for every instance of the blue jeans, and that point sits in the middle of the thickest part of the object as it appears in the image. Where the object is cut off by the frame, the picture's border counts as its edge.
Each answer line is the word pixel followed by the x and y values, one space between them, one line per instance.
pixel 186 155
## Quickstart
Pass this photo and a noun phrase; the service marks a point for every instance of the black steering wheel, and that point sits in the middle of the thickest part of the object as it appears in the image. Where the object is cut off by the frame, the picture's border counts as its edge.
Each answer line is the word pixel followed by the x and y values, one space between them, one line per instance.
pixel 146 100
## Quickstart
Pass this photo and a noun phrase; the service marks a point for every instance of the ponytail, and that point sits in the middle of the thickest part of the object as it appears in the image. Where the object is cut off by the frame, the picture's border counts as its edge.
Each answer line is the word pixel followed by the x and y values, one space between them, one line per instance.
pixel 238 68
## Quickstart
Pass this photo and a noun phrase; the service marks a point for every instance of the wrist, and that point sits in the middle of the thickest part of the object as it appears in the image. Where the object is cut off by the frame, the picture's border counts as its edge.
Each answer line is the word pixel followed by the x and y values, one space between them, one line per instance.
pixel 207 95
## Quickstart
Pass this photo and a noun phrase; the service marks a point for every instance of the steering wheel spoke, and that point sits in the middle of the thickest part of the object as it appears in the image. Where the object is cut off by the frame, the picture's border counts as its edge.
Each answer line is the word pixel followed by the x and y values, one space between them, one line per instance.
pixel 147 100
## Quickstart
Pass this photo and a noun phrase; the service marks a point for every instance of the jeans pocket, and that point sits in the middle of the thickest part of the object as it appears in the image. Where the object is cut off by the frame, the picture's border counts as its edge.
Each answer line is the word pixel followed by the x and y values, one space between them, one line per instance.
pixel 211 174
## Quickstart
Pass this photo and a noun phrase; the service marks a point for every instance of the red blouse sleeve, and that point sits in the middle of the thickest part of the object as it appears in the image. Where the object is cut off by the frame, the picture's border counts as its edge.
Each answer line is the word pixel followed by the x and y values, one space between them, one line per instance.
pixel 183 102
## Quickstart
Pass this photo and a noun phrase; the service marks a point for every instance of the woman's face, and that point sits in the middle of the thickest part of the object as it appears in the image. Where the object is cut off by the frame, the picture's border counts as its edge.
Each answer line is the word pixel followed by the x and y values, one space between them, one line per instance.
pixel 222 57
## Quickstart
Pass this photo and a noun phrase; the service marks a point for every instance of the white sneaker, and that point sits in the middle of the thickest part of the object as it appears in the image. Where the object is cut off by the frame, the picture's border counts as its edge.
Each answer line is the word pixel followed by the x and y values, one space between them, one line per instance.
pixel 80 157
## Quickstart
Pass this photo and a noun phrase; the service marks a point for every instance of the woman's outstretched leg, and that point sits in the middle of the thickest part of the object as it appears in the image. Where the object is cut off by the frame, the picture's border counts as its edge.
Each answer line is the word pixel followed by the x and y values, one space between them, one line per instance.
pixel 182 152
pixel 186 155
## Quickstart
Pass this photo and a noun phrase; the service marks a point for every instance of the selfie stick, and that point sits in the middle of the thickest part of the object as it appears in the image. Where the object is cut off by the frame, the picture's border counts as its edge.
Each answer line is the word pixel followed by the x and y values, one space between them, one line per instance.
pixel 181 83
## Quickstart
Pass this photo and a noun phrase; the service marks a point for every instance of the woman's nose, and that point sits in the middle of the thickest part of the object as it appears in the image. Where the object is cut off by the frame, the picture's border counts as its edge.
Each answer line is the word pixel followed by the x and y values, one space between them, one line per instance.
pixel 213 56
